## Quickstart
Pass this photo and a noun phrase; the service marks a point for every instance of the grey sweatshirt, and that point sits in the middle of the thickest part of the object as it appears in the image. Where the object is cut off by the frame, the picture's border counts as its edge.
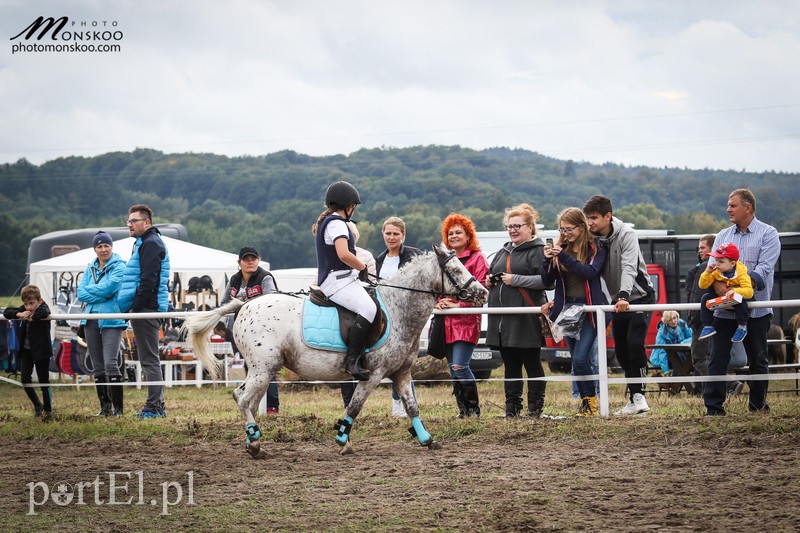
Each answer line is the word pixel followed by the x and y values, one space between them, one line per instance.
pixel 625 271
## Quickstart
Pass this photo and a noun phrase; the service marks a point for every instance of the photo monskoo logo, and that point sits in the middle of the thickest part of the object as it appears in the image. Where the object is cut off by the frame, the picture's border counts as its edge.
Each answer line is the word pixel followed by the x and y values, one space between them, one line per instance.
pixel 71 39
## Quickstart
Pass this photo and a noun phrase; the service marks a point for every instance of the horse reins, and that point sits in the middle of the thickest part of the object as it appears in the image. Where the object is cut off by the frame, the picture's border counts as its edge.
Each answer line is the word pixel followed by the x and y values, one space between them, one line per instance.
pixel 460 294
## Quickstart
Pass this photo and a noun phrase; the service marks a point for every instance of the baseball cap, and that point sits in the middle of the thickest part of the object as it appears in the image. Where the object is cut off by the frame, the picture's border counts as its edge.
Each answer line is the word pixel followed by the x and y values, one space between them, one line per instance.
pixel 728 250
pixel 248 250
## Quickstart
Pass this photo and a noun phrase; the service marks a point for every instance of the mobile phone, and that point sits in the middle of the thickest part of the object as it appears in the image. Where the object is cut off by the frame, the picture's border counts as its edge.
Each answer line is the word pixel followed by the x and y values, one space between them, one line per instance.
pixel 548 242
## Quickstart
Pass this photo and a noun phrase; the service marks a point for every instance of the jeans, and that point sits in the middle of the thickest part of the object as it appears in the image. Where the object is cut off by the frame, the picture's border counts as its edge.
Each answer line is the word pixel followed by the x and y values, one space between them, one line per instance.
pixel 459 354
pixel 396 396
pixel 27 365
pixel 584 352
pixel 741 310
pixel 755 344
pixel 700 355
pixel 146 333
pixel 103 348
pixel 272 394
pixel 630 332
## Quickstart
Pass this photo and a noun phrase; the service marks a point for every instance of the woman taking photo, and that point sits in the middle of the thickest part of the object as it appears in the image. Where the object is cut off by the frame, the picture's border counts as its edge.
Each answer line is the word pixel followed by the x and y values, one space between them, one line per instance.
pixel 98 290
pixel 574 263
pixel 387 264
pixel 516 281
pixel 462 332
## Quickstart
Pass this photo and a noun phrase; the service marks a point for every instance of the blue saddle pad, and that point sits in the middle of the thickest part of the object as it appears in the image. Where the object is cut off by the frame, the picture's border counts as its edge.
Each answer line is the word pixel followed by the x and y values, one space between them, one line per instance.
pixel 321 327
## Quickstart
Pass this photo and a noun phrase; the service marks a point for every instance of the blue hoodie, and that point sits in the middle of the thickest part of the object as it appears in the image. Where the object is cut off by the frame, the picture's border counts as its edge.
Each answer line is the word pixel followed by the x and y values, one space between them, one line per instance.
pixel 98 290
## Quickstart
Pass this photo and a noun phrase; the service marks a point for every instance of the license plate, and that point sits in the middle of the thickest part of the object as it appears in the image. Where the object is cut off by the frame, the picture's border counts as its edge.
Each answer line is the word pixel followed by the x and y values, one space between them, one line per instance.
pixel 482 354
pixel 563 354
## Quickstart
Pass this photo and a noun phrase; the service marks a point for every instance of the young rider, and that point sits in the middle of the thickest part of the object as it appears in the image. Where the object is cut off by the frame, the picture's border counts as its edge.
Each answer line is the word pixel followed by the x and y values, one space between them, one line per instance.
pixel 339 271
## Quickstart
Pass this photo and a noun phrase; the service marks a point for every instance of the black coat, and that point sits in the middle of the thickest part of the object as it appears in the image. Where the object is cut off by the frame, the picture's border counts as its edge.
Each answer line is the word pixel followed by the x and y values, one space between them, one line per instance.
pixel 694 293
pixel 37 331
pixel 516 331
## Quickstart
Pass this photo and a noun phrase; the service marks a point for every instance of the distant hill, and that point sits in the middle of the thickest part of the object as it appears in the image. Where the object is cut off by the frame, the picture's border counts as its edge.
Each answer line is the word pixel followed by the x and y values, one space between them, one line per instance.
pixel 271 201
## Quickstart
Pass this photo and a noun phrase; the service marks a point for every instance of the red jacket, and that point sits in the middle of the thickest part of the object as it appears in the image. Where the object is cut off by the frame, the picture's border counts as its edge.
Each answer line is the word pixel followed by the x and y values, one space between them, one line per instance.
pixel 467 327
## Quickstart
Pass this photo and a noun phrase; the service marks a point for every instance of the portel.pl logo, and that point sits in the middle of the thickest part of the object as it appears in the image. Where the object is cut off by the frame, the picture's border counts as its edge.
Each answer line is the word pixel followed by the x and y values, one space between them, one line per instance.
pixel 64 35
pixel 116 488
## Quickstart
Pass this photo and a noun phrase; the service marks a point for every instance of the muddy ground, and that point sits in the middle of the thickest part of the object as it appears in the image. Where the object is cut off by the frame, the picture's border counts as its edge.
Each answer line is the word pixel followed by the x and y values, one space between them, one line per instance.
pixel 533 482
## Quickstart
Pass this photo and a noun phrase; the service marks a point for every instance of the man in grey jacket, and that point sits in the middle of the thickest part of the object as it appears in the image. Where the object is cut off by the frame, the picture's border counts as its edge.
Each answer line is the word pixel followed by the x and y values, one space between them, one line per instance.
pixel 628 282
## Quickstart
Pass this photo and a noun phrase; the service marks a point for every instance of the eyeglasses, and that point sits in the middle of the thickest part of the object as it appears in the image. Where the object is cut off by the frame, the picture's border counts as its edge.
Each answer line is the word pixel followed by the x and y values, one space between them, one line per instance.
pixel 567 231
pixel 132 221
pixel 514 227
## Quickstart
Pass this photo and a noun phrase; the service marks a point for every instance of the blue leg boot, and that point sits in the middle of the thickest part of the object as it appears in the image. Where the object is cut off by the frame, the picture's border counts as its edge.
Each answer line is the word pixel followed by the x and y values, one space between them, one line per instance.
pixel 343 428
pixel 419 431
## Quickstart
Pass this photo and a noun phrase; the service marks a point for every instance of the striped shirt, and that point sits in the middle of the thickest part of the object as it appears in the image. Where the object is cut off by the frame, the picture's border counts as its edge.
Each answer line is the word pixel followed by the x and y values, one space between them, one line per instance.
pixel 759 249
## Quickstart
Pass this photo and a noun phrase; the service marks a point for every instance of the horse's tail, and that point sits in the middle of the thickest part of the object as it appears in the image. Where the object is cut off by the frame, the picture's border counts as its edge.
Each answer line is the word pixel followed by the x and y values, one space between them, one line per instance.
pixel 200 325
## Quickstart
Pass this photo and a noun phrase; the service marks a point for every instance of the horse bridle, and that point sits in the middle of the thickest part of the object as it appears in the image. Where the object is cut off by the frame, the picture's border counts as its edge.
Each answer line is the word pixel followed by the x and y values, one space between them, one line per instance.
pixel 461 293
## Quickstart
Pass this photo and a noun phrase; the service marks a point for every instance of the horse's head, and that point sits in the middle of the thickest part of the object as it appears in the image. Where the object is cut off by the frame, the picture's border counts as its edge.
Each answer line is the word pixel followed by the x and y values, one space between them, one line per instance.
pixel 462 284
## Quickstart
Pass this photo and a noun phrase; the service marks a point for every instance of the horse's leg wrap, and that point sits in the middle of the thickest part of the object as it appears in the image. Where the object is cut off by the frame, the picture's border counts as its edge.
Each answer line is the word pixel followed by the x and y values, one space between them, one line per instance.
pixel 253 432
pixel 419 431
pixel 343 428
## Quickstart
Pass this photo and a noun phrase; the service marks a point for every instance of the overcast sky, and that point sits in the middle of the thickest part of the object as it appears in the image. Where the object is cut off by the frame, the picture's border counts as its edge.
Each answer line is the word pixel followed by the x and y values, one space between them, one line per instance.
pixel 662 83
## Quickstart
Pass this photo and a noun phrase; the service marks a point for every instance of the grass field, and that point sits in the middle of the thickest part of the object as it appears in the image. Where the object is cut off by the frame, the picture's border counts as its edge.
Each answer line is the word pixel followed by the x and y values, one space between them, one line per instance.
pixel 491 474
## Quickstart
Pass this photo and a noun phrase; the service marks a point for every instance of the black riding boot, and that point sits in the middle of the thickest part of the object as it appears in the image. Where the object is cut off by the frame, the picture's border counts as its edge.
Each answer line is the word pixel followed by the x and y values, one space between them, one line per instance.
pixel 102 395
pixel 355 348
pixel 536 398
pixel 458 392
pixel 470 396
pixel 513 390
pixel 115 392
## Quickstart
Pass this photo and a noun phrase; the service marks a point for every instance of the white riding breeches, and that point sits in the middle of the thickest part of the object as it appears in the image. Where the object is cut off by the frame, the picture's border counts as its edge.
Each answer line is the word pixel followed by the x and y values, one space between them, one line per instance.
pixel 342 287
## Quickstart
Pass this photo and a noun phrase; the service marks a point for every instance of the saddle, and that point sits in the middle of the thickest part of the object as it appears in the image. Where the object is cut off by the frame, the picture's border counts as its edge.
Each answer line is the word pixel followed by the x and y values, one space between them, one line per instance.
pixel 347 317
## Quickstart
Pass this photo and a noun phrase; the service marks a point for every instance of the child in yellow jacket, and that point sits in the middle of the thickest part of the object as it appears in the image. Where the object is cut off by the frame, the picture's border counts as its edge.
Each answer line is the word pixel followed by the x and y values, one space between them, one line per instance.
pixel 733 273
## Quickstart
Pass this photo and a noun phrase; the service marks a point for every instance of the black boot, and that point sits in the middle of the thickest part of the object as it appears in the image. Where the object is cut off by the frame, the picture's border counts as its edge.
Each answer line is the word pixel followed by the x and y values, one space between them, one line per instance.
pixel 102 395
pixel 536 398
pixel 513 391
pixel 470 395
pixel 115 392
pixel 37 405
pixel 355 349
pixel 458 392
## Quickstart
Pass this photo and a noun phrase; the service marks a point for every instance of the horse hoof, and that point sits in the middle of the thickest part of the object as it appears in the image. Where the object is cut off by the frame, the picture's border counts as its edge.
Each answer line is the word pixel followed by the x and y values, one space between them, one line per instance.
pixel 347 449
pixel 433 445
pixel 254 448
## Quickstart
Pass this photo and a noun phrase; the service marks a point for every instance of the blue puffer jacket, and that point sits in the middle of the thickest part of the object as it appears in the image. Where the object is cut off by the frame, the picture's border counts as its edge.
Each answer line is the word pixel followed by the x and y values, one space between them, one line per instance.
pixel 98 290
pixel 145 279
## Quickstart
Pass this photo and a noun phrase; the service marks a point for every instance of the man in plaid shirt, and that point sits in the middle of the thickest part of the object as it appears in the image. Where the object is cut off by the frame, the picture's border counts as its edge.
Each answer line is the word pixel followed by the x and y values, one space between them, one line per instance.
pixel 759 248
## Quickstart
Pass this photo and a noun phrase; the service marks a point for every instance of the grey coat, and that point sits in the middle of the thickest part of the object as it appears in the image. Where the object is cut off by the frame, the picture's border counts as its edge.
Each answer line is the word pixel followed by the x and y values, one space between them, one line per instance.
pixel 517 331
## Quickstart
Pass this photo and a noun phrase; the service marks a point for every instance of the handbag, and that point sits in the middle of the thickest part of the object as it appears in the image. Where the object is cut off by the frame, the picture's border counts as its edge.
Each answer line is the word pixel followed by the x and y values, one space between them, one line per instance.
pixel 437 341
pixel 547 331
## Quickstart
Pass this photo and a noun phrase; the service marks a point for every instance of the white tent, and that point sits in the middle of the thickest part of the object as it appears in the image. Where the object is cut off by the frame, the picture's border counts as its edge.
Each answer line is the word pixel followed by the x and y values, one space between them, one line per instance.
pixel 186 259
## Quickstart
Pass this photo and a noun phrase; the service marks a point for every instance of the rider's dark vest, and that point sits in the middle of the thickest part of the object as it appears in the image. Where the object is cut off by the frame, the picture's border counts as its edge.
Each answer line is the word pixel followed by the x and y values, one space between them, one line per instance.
pixel 327 258
pixel 253 288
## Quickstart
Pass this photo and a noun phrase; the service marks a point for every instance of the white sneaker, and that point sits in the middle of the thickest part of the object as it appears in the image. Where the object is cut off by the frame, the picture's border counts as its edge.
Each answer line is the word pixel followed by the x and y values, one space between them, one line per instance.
pixel 640 403
pixel 637 406
pixel 398 411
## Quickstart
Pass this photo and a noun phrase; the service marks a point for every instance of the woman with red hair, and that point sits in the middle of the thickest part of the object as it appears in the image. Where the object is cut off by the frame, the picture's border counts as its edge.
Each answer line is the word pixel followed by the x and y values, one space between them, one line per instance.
pixel 463 331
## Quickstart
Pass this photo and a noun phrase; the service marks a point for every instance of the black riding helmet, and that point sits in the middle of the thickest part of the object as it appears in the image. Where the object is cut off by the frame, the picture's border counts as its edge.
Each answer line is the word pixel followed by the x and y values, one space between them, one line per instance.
pixel 341 194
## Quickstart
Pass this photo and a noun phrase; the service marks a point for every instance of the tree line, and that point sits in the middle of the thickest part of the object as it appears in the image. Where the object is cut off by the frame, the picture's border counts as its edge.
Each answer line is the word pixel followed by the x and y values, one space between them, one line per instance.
pixel 271 201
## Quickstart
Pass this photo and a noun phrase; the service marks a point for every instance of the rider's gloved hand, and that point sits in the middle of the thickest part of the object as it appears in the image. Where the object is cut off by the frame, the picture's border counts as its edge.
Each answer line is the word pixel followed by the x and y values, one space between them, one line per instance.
pixel 363 275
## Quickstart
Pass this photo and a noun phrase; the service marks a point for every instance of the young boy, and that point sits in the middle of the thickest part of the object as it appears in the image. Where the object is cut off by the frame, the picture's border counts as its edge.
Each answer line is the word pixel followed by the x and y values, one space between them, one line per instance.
pixel 728 270
pixel 35 346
